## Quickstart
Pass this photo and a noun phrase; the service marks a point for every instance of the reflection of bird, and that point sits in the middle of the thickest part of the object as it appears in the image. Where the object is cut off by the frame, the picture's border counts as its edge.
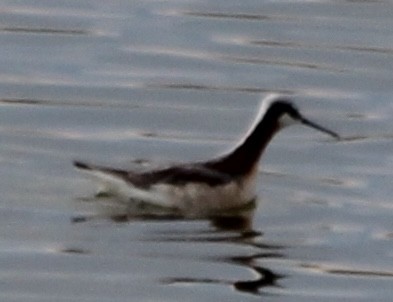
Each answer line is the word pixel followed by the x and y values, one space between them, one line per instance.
pixel 209 187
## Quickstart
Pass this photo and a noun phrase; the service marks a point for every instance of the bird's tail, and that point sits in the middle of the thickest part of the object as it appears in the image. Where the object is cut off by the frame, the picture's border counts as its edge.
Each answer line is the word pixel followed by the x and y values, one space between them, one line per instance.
pixel 114 182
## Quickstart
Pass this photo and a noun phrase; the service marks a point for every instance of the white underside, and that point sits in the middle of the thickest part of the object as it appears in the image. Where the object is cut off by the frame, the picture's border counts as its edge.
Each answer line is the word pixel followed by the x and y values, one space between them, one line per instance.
pixel 191 200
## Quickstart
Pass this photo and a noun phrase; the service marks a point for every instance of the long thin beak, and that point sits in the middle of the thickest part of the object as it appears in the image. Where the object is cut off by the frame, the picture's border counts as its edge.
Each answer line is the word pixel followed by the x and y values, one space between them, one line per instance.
pixel 311 124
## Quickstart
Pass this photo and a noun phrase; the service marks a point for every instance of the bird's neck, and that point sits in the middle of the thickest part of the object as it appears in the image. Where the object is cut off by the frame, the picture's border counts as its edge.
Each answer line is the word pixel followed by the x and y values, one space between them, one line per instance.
pixel 244 158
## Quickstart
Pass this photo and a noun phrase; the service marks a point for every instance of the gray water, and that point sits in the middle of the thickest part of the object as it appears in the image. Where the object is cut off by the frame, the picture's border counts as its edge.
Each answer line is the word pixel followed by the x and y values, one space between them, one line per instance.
pixel 120 81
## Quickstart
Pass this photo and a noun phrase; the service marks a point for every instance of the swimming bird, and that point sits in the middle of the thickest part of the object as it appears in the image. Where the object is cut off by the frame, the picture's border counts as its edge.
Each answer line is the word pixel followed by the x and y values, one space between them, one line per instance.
pixel 209 187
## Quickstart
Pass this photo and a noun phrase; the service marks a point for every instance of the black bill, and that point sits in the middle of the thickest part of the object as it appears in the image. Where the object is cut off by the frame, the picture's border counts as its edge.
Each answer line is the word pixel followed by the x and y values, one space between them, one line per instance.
pixel 311 124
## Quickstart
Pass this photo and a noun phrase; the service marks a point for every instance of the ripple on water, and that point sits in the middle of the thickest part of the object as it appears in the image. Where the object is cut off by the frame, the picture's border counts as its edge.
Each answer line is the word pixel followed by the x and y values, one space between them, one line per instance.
pixel 116 81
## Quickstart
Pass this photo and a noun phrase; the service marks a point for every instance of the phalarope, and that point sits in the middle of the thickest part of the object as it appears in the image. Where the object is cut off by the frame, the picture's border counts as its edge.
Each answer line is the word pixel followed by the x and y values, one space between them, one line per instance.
pixel 208 187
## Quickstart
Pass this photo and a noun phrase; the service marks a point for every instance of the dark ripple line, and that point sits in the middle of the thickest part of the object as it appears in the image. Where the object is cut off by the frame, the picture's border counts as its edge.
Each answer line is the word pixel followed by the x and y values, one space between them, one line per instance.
pixel 243 16
pixel 24 101
pixel 303 65
pixel 291 44
pixel 349 272
pixel 360 273
pixel 367 49
pixel 44 30
pixel 64 103
pixel 187 86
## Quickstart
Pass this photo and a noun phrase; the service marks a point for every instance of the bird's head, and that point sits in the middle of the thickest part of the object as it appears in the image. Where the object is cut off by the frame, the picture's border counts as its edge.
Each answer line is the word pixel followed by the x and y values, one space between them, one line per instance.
pixel 286 113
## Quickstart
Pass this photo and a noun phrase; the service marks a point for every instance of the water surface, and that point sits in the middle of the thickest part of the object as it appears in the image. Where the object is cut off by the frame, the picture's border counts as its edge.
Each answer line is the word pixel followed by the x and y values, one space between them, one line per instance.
pixel 179 81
